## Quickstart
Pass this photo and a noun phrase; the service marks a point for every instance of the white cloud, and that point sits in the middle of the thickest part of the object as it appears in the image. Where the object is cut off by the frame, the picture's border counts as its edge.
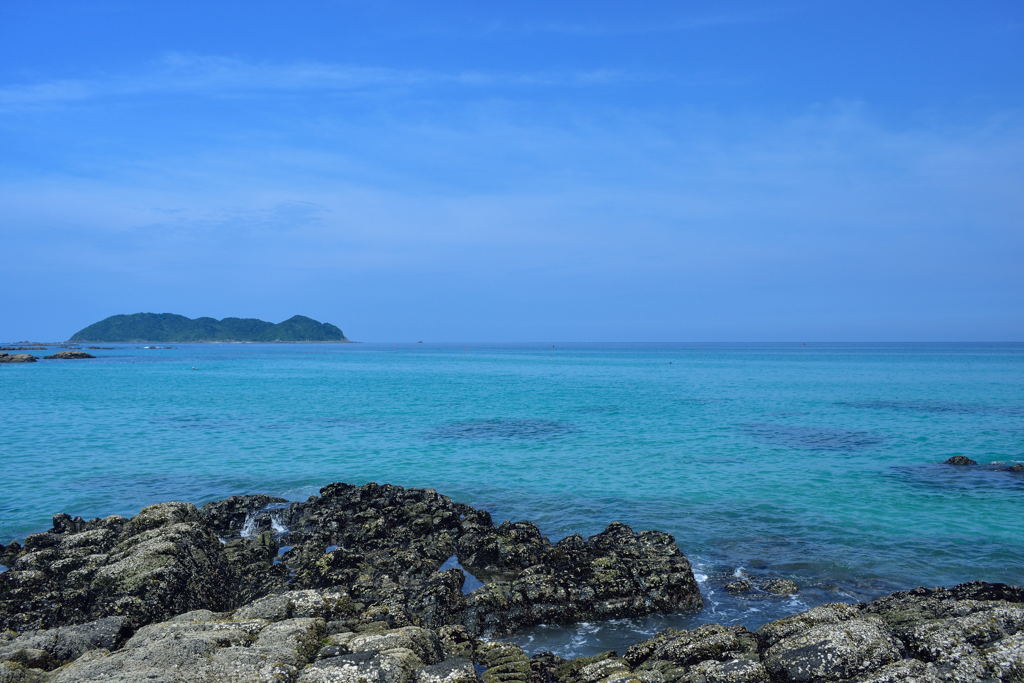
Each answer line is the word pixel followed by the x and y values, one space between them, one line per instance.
pixel 217 75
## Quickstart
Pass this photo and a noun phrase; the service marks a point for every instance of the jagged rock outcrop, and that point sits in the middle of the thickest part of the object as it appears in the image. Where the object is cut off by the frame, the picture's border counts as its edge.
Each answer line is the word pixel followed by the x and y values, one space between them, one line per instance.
pixel 383 546
pixel 348 586
pixel 162 562
pixel 972 632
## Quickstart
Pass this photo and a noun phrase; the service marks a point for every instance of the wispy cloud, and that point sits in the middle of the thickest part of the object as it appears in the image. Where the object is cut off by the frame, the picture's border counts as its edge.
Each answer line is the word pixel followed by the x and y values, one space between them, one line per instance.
pixel 669 25
pixel 199 74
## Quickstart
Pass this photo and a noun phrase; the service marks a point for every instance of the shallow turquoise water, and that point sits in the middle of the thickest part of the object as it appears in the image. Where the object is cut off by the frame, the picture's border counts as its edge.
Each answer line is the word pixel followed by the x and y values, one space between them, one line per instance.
pixel 813 462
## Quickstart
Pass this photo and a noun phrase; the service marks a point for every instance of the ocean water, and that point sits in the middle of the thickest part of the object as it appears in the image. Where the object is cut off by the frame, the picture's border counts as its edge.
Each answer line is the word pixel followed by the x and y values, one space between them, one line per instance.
pixel 813 462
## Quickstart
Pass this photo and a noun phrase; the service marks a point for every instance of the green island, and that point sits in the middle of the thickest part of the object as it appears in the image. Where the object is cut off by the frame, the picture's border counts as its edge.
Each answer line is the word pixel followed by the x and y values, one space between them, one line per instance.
pixel 170 327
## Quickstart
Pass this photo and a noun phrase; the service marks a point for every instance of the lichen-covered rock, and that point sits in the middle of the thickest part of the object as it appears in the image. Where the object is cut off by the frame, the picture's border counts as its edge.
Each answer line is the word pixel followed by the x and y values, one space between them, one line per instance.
pixel 503 663
pixel 780 586
pixel 49 649
pixel 617 573
pixel 448 671
pixel 162 562
pixel 601 667
pixel 740 670
pixel 326 604
pixel 1004 659
pixel 13 672
pixel 832 652
pixel 348 586
pixel 966 633
pixel 708 642
pixel 202 646
pixel 381 546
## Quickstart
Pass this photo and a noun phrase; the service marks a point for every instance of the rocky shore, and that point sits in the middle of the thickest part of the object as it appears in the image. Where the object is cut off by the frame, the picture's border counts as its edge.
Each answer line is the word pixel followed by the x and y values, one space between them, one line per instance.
pixel 392 585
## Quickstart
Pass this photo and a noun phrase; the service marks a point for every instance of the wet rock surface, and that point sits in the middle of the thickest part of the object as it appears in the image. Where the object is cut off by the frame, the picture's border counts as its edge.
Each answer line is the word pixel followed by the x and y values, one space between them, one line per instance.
pixel 70 355
pixel 17 358
pixel 960 460
pixel 347 586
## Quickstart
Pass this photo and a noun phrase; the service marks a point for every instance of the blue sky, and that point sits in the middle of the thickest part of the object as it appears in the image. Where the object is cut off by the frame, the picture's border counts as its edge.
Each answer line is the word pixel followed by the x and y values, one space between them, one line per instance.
pixel 521 171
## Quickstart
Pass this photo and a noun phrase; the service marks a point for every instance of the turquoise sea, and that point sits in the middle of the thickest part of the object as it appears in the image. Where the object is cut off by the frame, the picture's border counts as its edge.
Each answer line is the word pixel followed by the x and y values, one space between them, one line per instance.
pixel 815 462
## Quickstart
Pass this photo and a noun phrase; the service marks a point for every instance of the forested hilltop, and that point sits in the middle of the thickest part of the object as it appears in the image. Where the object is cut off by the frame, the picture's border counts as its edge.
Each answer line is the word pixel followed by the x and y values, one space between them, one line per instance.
pixel 170 327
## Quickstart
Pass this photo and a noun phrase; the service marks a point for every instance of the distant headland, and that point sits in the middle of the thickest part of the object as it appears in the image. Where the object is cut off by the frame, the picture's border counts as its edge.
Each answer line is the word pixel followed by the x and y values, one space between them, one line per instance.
pixel 170 327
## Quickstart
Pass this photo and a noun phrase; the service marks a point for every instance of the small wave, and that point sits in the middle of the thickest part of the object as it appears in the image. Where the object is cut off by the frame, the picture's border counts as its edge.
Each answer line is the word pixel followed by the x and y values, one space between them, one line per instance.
pixel 252 521
pixel 480 430
pixel 936 407
pixel 942 476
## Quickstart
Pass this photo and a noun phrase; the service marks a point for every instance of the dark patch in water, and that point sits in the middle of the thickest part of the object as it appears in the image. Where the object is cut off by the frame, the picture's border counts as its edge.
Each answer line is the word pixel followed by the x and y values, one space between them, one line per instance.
pixel 973 477
pixel 936 407
pixel 479 430
pixel 811 438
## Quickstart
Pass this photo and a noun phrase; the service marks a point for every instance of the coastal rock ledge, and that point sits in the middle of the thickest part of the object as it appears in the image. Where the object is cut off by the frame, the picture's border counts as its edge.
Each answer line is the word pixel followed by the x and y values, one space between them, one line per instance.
pixel 391 585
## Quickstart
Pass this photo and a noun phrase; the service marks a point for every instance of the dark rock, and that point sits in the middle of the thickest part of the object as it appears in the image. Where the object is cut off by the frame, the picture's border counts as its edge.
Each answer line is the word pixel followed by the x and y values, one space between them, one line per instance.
pixel 780 587
pixel 70 355
pixel 347 587
pixel 1019 467
pixel 617 573
pixel 48 649
pixel 228 516
pixel 960 460
pixel 160 563
pixel 379 546
pixel 17 358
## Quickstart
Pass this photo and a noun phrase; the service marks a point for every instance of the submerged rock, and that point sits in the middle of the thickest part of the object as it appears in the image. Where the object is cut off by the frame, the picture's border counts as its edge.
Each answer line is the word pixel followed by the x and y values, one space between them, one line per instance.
pixel 780 587
pixel 739 586
pixel 960 460
pixel 349 586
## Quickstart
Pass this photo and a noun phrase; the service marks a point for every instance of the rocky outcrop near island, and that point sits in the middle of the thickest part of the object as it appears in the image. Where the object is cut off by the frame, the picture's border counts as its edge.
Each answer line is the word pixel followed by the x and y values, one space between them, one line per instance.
pixel 69 355
pixel 17 358
pixel 394 585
